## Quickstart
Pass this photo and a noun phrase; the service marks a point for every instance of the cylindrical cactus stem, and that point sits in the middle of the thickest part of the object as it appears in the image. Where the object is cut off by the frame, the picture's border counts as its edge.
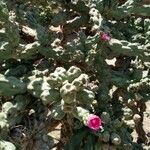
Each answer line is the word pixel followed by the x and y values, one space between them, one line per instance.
pixel 95 19
pixel 137 118
pixel 105 146
pixel 10 86
pixel 50 96
pixel 54 80
pixel 81 114
pixel 73 72
pixel 85 96
pixel 112 147
pixel 81 81
pixel 67 108
pixel 21 101
pixel 5 145
pixel 61 72
pixel 105 117
pixel 131 102
pixel 117 123
pixel 105 136
pixel 128 113
pixel 7 107
pixel 127 146
pixel 57 112
pixel 37 86
pixel 68 93
pixel 115 139
pixel 3 122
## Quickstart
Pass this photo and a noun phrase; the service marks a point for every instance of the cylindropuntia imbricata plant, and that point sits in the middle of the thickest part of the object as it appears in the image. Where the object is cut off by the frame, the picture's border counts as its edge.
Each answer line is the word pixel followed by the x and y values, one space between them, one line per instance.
pixel 82 64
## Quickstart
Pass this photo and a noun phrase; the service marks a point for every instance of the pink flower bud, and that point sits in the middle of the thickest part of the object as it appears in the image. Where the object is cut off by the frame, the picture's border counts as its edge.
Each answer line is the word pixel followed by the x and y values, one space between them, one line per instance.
pixel 94 122
pixel 105 37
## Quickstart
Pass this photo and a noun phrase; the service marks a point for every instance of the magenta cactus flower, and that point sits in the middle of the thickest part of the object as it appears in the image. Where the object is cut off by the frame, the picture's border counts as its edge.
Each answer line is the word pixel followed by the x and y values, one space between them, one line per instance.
pixel 94 122
pixel 105 37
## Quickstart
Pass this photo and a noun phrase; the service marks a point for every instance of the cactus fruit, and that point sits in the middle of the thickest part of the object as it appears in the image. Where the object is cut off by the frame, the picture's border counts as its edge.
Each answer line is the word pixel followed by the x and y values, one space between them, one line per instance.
pixel 90 120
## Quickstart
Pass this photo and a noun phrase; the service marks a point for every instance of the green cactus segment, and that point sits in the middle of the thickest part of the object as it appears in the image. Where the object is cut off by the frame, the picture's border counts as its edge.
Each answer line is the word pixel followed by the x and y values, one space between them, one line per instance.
pixel 21 102
pixel 57 111
pixel 3 121
pixel 8 108
pixel 106 136
pixel 12 34
pixel 5 50
pixel 68 93
pixel 4 126
pixel 127 146
pixel 95 18
pixel 68 85
pixel 81 114
pixel 11 86
pixel 81 82
pixel 60 18
pixel 11 111
pixel 5 145
pixel 115 139
pixel 119 12
pixel 125 48
pixel 73 72
pixel 67 108
pixel 54 80
pixel 50 96
pixel 85 96
pixel 37 86
pixel 105 117
pixel 18 71
pixel 61 72
pixel 49 52
pixel 26 51
pixel 144 85
pixel 117 123
pixel 127 113
pixel 4 13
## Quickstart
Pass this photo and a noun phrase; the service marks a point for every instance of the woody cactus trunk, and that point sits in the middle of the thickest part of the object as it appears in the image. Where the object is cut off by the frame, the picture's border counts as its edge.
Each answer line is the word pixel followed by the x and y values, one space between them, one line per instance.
pixel 81 64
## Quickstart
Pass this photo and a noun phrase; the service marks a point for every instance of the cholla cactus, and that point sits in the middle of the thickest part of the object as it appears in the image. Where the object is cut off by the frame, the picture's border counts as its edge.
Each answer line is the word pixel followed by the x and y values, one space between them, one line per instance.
pixel 83 64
